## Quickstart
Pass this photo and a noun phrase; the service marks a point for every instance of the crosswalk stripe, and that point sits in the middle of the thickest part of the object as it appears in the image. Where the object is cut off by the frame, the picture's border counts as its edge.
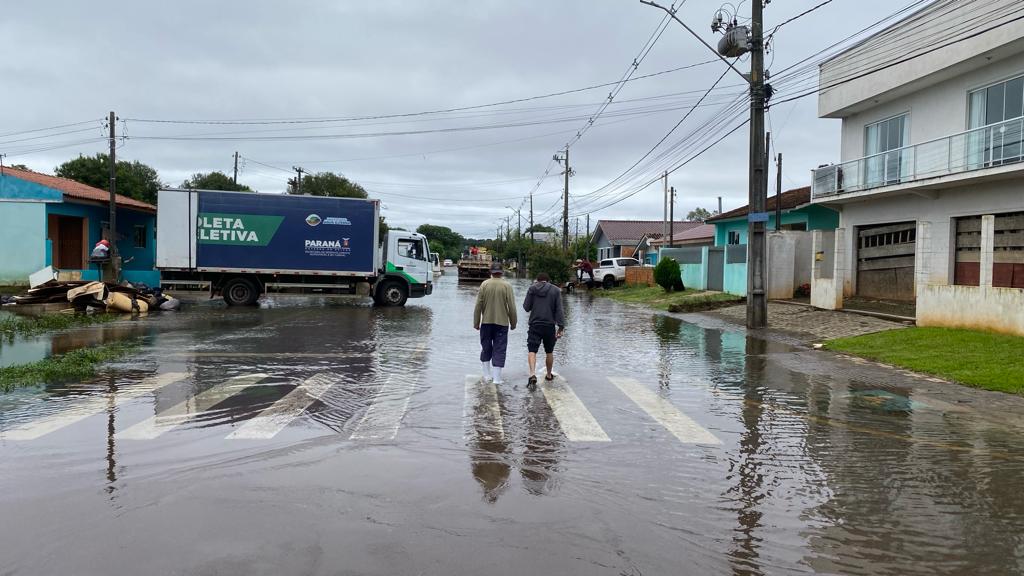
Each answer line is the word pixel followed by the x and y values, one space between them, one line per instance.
pixel 482 411
pixel 680 425
pixel 90 406
pixel 281 413
pixel 384 416
pixel 577 423
pixel 156 425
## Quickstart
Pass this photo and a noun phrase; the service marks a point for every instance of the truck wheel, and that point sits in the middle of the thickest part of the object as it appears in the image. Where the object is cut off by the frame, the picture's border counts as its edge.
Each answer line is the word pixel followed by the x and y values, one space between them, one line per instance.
pixel 240 292
pixel 392 293
pixel 609 282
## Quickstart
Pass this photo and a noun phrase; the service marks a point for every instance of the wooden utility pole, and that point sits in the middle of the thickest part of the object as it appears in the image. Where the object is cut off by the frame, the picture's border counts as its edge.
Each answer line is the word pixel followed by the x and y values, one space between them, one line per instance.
pixel 234 178
pixel 115 257
pixel 671 216
pixel 778 192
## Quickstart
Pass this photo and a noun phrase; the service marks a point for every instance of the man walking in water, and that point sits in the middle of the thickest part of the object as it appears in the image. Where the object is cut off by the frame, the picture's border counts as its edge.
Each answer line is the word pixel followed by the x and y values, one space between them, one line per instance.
pixel 494 315
pixel 547 323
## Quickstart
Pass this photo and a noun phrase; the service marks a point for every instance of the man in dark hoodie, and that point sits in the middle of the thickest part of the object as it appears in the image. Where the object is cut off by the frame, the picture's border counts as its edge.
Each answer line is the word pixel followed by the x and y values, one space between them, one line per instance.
pixel 547 323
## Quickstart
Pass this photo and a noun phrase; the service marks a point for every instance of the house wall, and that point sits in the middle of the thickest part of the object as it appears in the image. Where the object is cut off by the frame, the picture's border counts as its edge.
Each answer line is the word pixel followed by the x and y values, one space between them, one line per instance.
pixel 138 262
pixel 23 241
pixel 905 38
pixel 934 112
pixel 692 264
pixel 816 217
pixel 935 264
pixel 974 307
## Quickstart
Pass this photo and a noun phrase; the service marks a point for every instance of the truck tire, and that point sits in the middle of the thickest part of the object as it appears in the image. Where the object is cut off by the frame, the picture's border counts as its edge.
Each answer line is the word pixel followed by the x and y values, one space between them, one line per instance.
pixel 609 282
pixel 240 292
pixel 392 293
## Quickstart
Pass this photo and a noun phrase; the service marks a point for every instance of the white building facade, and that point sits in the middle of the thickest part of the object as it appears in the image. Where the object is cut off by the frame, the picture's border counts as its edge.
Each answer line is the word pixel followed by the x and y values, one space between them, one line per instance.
pixel 930 183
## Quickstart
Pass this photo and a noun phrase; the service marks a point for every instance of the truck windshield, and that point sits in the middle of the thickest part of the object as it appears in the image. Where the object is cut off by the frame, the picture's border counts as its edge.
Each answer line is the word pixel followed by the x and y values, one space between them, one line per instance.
pixel 411 249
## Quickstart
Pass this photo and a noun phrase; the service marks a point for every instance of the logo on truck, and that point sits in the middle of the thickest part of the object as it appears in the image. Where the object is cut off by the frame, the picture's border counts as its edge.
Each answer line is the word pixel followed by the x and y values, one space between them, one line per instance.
pixel 313 220
pixel 236 229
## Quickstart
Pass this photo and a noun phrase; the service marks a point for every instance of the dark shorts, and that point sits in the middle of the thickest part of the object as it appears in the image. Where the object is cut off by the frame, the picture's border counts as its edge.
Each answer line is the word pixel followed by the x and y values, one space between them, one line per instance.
pixel 541 333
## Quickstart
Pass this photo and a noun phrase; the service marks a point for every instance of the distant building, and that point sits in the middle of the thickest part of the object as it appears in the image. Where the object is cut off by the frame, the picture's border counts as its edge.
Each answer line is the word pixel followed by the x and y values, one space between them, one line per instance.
pixel 51 221
pixel 619 238
pixel 929 180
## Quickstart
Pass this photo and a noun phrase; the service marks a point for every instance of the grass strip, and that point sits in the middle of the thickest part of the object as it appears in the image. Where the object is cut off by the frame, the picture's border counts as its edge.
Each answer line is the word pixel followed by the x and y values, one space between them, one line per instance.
pixel 28 325
pixel 980 359
pixel 656 297
pixel 75 365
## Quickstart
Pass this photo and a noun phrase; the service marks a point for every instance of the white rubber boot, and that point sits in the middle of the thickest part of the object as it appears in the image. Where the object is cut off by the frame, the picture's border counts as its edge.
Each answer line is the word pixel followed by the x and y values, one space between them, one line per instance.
pixel 496 373
pixel 487 371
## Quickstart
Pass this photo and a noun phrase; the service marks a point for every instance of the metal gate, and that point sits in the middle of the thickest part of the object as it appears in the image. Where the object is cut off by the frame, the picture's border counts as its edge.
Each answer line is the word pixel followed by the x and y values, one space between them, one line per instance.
pixel 885 261
pixel 716 267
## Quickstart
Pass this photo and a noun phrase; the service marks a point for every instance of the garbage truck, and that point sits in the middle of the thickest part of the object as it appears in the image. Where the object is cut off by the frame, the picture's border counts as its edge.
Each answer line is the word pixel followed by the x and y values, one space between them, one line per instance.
pixel 242 245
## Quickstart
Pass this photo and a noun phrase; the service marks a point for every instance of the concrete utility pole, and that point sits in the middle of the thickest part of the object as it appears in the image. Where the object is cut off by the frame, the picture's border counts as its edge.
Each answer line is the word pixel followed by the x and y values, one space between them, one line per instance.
pixel 778 191
pixel 234 178
pixel 115 257
pixel 664 217
pixel 588 238
pixel 565 205
pixel 531 217
pixel 757 302
pixel 298 181
pixel 671 216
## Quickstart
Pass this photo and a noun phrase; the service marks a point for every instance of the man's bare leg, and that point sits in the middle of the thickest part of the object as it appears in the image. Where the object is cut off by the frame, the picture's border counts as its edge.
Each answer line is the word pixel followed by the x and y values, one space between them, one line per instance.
pixel 531 359
pixel 549 362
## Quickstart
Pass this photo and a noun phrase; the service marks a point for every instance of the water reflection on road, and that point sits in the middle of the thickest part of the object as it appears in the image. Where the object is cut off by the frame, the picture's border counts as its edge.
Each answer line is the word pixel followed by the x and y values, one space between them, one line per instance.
pixel 316 436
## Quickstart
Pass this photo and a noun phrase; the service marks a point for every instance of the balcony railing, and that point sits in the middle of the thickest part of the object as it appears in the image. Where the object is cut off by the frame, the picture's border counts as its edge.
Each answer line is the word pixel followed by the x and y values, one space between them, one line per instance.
pixel 985 147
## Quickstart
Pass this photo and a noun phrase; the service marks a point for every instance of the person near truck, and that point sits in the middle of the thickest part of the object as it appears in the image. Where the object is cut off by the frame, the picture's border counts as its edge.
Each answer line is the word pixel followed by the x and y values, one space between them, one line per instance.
pixel 494 316
pixel 584 267
pixel 547 324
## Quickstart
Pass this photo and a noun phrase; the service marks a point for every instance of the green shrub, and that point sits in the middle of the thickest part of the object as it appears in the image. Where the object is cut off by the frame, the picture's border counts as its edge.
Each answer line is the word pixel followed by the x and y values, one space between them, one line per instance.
pixel 551 260
pixel 667 274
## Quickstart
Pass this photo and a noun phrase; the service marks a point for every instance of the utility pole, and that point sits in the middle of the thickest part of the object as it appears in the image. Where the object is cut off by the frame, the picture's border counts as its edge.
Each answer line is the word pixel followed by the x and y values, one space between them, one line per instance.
pixel 588 238
pixel 508 230
pixel 531 217
pixel 671 216
pixel 577 236
pixel 298 181
pixel 115 257
pixel 719 204
pixel 565 205
pixel 757 303
pixel 664 217
pixel 778 191
pixel 234 178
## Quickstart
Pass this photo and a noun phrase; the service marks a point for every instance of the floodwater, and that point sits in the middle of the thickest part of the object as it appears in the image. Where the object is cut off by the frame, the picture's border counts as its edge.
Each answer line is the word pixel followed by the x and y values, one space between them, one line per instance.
pixel 322 437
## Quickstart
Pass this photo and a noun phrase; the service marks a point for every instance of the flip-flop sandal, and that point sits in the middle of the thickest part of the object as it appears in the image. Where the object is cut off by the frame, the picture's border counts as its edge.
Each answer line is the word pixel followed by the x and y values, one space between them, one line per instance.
pixel 549 377
pixel 532 382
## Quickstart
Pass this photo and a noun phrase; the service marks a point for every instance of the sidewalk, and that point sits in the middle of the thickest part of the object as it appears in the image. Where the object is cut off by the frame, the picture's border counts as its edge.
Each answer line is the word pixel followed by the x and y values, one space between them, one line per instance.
pixel 808 324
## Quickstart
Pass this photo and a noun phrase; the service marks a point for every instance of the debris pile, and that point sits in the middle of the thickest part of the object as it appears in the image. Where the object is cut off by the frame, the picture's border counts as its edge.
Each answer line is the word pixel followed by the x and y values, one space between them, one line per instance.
pixel 83 294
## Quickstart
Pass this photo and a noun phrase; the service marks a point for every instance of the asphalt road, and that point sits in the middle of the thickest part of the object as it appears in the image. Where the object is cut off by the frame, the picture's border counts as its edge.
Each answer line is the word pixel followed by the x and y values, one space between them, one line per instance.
pixel 316 437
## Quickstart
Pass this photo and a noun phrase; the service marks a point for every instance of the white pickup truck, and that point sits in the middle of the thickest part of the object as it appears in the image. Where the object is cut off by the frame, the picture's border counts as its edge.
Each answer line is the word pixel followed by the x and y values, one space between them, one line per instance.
pixel 612 271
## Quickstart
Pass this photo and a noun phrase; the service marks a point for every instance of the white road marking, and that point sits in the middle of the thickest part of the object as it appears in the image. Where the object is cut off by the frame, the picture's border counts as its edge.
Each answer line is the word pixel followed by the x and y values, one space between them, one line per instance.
pixel 281 413
pixel 91 406
pixel 156 425
pixel 577 423
pixel 482 413
pixel 384 416
pixel 680 425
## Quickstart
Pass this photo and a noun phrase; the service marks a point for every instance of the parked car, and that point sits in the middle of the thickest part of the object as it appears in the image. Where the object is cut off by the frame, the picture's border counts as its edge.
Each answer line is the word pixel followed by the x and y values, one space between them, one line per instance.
pixel 612 271
pixel 448 263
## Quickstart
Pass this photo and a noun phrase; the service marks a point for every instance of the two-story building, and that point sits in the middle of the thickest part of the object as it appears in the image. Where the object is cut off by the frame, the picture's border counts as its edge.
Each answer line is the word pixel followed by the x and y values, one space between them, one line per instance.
pixel 930 182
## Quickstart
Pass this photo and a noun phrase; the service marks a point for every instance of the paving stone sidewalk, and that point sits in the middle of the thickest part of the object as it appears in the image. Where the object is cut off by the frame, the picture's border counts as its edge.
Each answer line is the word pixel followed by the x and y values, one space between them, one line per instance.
pixel 811 324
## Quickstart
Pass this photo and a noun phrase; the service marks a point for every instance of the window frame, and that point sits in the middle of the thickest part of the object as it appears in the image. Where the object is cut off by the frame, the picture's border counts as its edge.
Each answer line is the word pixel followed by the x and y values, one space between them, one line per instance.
pixel 136 236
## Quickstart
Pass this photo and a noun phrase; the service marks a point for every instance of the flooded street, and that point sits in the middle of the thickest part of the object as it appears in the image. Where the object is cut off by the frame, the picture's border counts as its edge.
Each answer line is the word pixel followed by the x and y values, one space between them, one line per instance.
pixel 324 437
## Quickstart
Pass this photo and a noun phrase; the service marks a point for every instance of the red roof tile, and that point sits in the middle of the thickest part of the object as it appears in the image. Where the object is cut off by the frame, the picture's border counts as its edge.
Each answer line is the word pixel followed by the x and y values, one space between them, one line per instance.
pixel 702 232
pixel 77 190
pixel 790 199
pixel 626 231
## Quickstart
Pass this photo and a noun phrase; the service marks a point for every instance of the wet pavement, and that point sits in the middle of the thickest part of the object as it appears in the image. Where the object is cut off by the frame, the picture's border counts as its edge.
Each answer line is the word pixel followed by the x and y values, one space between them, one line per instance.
pixel 324 437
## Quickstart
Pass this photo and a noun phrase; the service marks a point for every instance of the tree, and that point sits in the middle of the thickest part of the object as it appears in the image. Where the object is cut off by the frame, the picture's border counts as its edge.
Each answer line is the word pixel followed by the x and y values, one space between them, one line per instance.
pixel 327 184
pixel 549 259
pixel 21 167
pixel 214 181
pixel 134 179
pixel 699 214
pixel 578 249
pixel 443 240
pixel 539 228
pixel 668 275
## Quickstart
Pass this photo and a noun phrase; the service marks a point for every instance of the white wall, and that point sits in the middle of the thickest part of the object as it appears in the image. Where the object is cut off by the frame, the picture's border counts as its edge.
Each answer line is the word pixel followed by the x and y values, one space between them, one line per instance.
pixel 913 35
pixel 934 112
pixel 984 308
pixel 939 212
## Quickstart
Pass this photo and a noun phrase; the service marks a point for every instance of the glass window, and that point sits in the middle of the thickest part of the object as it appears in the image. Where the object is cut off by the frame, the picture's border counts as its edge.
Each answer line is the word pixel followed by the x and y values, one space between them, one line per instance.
pixel 606 263
pixel 997 103
pixel 996 106
pixel 882 144
pixel 139 237
pixel 411 249
pixel 629 262
pixel 734 237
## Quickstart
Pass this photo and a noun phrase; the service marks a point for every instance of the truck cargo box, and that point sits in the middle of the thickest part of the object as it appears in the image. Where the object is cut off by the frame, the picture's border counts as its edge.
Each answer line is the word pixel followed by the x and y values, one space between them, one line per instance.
pixel 212 231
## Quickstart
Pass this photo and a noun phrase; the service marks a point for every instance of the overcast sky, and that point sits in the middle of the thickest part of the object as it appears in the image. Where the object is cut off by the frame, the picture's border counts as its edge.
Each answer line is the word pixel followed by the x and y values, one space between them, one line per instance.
pixel 72 61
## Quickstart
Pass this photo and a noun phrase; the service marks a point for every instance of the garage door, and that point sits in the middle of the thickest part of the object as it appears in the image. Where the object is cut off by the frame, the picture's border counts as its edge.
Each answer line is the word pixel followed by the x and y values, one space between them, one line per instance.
pixel 885 261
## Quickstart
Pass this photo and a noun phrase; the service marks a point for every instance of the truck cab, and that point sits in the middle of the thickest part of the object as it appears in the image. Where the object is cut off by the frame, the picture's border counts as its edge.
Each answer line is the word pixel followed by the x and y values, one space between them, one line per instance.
pixel 407 269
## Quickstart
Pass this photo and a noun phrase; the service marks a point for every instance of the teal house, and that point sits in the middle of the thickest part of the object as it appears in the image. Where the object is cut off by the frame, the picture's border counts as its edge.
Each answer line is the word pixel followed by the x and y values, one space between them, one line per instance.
pixel 797 214
pixel 51 221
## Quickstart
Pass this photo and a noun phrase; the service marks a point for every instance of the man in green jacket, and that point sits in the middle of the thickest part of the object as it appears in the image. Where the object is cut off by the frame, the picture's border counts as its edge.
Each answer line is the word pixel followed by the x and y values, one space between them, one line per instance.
pixel 494 315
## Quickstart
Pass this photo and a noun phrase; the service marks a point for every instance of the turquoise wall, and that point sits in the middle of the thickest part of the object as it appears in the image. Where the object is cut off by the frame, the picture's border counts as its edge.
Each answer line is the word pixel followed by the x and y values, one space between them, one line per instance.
pixel 23 243
pixel 734 279
pixel 816 217
pixel 12 188
pixel 139 262
pixel 696 275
